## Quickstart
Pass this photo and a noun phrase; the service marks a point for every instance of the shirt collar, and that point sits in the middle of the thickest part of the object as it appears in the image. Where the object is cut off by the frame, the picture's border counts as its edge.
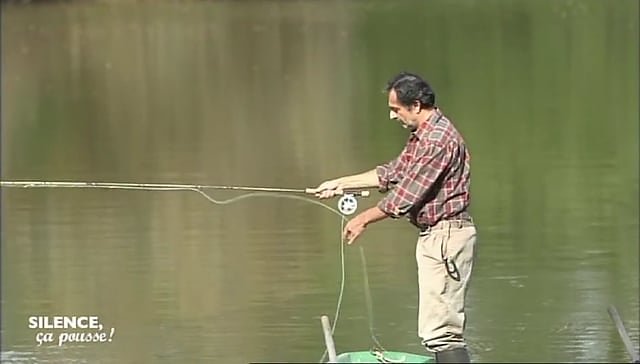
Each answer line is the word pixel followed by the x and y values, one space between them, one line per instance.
pixel 427 125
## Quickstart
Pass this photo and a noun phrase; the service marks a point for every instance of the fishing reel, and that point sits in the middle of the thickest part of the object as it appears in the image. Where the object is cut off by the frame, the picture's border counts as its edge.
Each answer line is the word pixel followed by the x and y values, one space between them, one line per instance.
pixel 348 204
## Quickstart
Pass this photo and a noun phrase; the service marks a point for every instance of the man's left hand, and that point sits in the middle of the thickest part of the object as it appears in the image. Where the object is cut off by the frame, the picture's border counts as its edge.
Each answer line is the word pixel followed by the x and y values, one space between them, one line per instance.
pixel 353 229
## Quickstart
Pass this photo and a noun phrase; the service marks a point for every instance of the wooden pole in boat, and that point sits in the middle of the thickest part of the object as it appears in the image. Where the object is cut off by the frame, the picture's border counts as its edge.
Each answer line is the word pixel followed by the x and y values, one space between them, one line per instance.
pixel 328 339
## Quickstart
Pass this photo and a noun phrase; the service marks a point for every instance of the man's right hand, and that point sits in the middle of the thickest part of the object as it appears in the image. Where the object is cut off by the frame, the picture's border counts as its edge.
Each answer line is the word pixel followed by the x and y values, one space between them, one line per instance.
pixel 328 189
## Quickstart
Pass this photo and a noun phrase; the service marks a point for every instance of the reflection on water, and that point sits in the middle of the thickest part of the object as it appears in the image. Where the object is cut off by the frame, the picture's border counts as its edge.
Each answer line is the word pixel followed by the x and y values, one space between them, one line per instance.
pixel 287 94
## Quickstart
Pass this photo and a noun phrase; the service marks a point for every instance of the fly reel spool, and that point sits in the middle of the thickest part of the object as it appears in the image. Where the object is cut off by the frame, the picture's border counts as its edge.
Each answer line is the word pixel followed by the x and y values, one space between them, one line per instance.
pixel 347 204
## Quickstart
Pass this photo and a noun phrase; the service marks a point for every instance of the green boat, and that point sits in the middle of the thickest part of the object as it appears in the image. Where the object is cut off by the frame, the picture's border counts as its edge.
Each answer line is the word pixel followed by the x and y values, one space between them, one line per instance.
pixel 371 356
pixel 382 357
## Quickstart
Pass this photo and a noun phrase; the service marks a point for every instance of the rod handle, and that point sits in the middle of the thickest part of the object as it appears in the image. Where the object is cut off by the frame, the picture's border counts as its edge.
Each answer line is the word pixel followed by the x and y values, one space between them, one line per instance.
pixel 347 192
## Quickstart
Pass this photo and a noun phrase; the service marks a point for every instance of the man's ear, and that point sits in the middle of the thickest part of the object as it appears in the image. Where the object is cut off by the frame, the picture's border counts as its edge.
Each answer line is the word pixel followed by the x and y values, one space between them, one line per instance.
pixel 416 104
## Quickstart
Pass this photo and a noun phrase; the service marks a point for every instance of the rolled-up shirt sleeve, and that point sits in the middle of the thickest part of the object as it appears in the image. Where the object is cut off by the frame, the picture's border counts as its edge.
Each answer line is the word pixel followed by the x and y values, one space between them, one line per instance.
pixel 416 181
pixel 384 176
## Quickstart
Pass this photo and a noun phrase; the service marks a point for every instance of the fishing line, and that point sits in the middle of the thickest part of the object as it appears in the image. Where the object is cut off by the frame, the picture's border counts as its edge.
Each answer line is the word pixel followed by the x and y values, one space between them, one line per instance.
pixel 342 244
pixel 368 300
pixel 341 291
pixel 342 240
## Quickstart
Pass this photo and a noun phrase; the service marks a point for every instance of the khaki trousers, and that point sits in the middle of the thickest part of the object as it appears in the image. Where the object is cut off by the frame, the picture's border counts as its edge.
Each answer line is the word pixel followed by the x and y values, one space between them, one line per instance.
pixel 445 255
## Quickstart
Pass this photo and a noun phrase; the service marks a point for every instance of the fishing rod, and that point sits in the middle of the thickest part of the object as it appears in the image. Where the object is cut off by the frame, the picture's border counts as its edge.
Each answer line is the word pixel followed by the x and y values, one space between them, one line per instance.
pixel 347 203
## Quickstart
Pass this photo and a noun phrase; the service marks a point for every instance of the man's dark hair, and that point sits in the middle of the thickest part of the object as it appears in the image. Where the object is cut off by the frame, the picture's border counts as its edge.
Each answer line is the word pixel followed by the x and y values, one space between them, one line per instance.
pixel 410 87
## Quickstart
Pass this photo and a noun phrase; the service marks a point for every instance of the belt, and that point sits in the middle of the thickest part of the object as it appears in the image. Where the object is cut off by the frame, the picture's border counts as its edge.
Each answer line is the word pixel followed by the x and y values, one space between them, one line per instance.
pixel 448 224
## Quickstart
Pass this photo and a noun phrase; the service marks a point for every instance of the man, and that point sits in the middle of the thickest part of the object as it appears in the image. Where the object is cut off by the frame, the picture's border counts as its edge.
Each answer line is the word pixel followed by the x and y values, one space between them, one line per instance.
pixel 428 184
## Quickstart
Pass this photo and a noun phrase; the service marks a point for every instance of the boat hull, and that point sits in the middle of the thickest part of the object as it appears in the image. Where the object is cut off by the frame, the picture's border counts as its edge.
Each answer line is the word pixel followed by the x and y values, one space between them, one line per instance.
pixel 382 357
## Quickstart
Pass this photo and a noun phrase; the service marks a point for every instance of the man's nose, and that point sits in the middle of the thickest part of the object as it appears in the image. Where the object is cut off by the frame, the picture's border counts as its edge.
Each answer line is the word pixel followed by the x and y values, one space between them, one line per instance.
pixel 392 115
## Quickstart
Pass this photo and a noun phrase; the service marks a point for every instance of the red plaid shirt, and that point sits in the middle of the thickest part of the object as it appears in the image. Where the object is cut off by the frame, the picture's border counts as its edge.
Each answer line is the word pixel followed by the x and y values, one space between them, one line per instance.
pixel 429 180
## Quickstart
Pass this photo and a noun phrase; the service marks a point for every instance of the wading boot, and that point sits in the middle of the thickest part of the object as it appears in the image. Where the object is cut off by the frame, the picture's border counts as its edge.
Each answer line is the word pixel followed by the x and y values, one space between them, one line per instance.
pixel 457 355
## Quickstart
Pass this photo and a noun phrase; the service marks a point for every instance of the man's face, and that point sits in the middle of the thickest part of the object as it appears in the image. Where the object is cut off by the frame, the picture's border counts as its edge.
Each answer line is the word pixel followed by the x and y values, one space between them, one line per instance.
pixel 407 116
